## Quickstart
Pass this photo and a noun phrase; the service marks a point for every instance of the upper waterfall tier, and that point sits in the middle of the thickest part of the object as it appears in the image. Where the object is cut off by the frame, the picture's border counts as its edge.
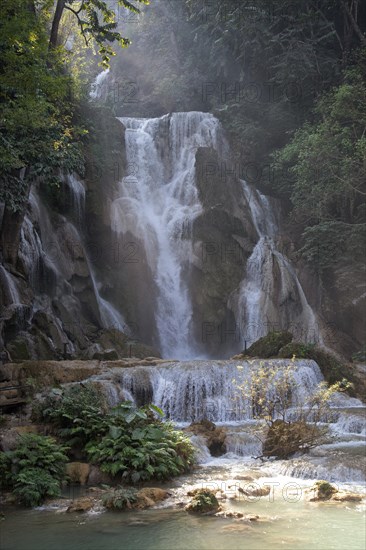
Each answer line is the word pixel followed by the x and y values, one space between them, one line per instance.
pixel 157 203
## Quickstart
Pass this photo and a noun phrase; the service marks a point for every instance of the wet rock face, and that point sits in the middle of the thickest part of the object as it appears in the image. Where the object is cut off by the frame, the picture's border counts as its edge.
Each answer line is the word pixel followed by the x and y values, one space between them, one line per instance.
pixel 223 239
pixel 215 437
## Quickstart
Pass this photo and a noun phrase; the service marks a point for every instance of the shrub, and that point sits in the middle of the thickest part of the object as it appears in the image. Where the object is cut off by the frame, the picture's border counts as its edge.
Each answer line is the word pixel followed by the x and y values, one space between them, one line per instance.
pixel 332 369
pixel 129 442
pixel 325 490
pixel 291 427
pixel 299 349
pixel 121 498
pixel 35 469
pixel 203 502
pixel 142 452
pixel 78 414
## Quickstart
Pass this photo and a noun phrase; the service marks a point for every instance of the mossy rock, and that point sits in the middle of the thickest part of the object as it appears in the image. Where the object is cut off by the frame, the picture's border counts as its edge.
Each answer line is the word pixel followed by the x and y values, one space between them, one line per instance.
pixel 203 502
pixel 19 349
pixel 299 349
pixel 325 490
pixel 269 345
pixel 332 369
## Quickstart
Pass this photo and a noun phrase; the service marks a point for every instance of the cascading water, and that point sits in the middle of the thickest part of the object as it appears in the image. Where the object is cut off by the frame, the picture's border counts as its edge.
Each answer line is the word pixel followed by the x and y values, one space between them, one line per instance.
pixel 194 390
pixel 10 287
pixel 97 91
pixel 77 193
pixel 109 316
pixel 157 204
pixel 190 391
pixel 266 300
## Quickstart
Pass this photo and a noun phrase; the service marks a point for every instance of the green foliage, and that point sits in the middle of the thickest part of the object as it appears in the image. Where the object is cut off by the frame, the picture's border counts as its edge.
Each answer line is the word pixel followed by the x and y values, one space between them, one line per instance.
pixel 98 22
pixel 34 469
pixel 298 349
pixel 33 485
pixel 138 451
pixel 78 414
pixel 203 502
pixel 325 489
pixel 333 370
pixel 37 136
pixel 121 498
pixel 360 355
pixel 127 441
pixel 328 187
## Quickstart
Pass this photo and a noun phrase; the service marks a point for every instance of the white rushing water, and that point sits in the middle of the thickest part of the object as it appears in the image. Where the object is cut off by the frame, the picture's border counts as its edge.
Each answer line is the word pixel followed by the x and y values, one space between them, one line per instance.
pixel 157 204
pixel 13 296
pixel 193 390
pixel 270 294
pixel 77 193
pixel 98 87
pixel 190 391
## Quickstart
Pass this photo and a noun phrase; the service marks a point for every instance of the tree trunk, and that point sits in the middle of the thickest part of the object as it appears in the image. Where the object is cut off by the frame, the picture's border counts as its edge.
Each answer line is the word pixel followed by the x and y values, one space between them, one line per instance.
pixel 353 22
pixel 10 230
pixel 56 23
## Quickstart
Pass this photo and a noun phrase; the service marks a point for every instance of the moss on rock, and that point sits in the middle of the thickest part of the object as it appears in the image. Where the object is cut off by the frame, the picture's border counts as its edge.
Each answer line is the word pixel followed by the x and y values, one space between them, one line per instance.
pixel 203 502
pixel 269 345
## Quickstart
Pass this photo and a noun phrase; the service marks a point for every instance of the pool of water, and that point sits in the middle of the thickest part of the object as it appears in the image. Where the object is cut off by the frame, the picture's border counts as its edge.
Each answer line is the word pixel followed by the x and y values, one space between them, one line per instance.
pixel 287 520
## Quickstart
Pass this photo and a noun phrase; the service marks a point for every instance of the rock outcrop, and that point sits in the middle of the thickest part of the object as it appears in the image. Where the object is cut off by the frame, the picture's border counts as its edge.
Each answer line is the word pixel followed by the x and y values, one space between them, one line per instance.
pixel 215 437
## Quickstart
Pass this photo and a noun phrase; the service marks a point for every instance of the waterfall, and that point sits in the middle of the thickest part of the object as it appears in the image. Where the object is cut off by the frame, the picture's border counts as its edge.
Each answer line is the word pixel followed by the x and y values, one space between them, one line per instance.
pixel 157 203
pixel 77 194
pixel 271 294
pixel 190 391
pixel 97 91
pixel 109 316
pixel 11 290
pixel 193 390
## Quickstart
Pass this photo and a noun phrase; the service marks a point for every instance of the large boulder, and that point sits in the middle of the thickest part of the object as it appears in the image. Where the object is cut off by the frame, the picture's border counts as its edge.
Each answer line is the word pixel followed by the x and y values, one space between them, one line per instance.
pixel 78 472
pixel 215 437
pixel 269 345
pixel 83 504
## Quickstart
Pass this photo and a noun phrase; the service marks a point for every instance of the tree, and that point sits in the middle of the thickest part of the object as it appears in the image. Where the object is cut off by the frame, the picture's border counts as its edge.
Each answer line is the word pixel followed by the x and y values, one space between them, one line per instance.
pixel 96 21
pixel 290 426
pixel 327 189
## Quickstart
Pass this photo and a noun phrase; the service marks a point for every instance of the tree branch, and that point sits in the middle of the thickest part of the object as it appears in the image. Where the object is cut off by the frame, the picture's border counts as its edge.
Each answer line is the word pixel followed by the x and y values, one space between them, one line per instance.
pixel 354 23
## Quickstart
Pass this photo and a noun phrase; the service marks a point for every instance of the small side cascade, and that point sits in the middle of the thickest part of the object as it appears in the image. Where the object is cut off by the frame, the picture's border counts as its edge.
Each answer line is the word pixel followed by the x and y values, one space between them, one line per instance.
pixel 77 195
pixel 12 295
pixel 271 294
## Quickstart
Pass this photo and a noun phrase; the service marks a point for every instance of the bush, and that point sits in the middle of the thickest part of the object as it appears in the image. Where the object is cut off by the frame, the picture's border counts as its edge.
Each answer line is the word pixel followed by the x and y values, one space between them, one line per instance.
pixel 78 414
pixel 299 349
pixel 121 498
pixel 325 490
pixel 291 427
pixel 128 442
pixel 142 449
pixel 203 502
pixel 35 469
